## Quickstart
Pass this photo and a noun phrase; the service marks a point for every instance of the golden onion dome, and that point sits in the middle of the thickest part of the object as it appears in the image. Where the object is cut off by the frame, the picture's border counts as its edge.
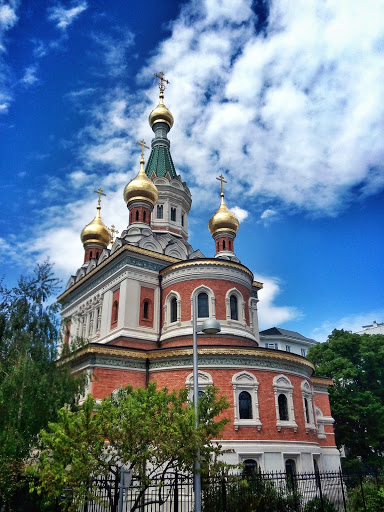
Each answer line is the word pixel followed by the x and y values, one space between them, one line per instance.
pixel 223 221
pixel 161 114
pixel 141 188
pixel 96 232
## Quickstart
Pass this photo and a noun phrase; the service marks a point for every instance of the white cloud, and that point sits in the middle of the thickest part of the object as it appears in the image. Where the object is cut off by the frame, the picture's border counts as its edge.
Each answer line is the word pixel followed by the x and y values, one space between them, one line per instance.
pixel 240 213
pixel 270 314
pixel 64 17
pixel 30 77
pixel 8 17
pixel 352 323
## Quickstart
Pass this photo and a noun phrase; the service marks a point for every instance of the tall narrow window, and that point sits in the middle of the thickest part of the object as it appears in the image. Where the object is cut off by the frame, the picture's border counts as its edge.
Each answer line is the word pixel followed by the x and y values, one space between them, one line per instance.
pixel 229 245
pixel 223 245
pixel 245 406
pixel 90 254
pixel 173 214
pixel 97 254
pixel 115 311
pixel 182 220
pixel 173 310
pixel 159 211
pixel 137 214
pixel 234 309
pixel 202 305
pixel 144 216
pixel 307 418
pixel 290 473
pixel 283 407
pixel 146 309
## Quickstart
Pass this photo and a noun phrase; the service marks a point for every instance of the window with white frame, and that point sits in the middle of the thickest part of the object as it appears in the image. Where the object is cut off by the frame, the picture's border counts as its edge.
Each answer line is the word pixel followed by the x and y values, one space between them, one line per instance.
pixel 235 306
pixel 204 380
pixel 172 309
pixel 303 352
pixel 287 348
pixel 285 414
pixel 272 346
pixel 320 423
pixel 307 395
pixel 245 399
pixel 205 302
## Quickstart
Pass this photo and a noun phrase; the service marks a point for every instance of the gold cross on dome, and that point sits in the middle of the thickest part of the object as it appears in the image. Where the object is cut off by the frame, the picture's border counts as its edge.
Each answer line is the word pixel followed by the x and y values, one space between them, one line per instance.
pixel 142 144
pixel 113 232
pixel 162 80
pixel 222 180
pixel 101 193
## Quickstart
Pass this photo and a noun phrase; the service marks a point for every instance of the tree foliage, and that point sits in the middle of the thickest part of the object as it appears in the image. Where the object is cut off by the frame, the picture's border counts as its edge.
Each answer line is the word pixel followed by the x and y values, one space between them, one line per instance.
pixel 356 364
pixel 149 431
pixel 32 387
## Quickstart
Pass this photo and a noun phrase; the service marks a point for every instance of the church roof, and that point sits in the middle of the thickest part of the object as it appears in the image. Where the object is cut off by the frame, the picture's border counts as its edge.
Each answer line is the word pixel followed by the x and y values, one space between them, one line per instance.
pixel 160 162
pixel 278 331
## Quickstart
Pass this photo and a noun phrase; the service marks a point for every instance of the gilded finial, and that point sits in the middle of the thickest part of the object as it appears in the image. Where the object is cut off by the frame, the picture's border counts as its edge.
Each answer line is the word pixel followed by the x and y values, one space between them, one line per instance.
pixel 113 232
pixel 222 180
pixel 101 193
pixel 160 76
pixel 142 144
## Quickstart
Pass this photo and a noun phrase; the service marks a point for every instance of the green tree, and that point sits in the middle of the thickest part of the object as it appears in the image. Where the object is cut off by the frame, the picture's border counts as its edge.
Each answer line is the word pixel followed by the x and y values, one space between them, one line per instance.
pixel 356 364
pixel 32 387
pixel 149 431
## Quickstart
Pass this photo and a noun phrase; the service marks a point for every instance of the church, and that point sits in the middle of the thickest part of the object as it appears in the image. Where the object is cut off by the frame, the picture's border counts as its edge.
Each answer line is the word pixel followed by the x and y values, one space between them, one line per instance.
pixel 131 299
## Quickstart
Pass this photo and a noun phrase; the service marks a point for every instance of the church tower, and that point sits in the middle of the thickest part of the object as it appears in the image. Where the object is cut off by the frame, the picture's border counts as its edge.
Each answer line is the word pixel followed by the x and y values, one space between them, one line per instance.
pixel 174 203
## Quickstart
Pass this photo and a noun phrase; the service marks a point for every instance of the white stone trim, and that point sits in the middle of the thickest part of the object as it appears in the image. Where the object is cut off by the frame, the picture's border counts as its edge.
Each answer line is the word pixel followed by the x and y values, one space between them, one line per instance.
pixel 282 385
pixel 307 394
pixel 167 310
pixel 211 301
pixel 245 381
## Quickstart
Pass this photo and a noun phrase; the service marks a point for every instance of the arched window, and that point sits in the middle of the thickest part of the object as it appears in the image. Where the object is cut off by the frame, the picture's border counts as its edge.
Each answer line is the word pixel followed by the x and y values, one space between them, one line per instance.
pixel 182 220
pixel 245 406
pixel 159 211
pixel 137 214
pixel 283 407
pixel 173 214
pixel 218 247
pixel 202 305
pixel 234 307
pixel 144 215
pixel 229 245
pixel 223 245
pixel 90 254
pixel 250 467
pixel 290 473
pixel 146 309
pixel 173 310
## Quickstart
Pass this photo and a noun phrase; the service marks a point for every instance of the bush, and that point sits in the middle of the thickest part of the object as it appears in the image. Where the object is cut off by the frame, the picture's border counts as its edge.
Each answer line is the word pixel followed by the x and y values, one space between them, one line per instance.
pixel 373 496
pixel 255 494
pixel 315 505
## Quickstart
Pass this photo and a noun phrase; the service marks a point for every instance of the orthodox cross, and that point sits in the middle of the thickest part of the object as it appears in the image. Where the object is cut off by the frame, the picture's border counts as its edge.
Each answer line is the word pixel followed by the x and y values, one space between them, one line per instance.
pixel 142 144
pixel 101 193
pixel 162 80
pixel 113 232
pixel 222 180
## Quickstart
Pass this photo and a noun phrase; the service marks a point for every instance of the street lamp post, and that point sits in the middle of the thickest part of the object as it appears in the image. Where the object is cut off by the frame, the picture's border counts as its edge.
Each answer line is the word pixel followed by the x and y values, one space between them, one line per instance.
pixel 210 326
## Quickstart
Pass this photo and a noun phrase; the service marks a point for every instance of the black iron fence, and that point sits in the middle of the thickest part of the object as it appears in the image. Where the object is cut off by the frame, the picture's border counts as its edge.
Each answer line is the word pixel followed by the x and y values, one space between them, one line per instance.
pixel 258 492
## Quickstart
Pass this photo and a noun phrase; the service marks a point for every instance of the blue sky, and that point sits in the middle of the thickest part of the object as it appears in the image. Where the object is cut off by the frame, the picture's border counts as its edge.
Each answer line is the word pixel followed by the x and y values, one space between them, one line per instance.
pixel 284 98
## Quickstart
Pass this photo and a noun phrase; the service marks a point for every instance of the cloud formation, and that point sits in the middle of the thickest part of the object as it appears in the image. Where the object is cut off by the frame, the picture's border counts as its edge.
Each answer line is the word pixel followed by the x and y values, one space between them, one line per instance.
pixel 64 17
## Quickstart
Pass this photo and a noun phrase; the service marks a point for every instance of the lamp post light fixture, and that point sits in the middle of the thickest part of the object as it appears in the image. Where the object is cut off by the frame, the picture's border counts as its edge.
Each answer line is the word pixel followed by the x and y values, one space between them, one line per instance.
pixel 210 326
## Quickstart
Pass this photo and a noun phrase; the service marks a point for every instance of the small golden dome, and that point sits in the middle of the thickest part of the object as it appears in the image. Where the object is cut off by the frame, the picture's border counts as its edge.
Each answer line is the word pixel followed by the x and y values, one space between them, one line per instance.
pixel 141 188
pixel 96 232
pixel 223 221
pixel 161 114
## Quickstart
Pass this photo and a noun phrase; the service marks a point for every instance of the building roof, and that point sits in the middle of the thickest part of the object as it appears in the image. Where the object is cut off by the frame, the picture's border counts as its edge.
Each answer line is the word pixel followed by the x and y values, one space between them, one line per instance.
pixel 278 331
pixel 160 163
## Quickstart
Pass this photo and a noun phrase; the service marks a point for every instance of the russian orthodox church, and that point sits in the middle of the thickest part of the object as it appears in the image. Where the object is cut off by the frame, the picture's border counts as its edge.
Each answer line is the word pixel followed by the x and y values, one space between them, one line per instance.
pixel 131 299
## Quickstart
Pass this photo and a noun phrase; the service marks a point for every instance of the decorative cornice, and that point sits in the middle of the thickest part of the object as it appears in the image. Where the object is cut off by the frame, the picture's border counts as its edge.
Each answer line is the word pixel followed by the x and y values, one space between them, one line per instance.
pixel 206 261
pixel 179 353
pixel 125 248
pixel 322 381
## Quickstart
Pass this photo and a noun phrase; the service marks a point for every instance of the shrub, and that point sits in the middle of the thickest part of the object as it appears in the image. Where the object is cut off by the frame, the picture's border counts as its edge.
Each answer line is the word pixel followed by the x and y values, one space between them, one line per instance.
pixel 315 505
pixel 373 497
